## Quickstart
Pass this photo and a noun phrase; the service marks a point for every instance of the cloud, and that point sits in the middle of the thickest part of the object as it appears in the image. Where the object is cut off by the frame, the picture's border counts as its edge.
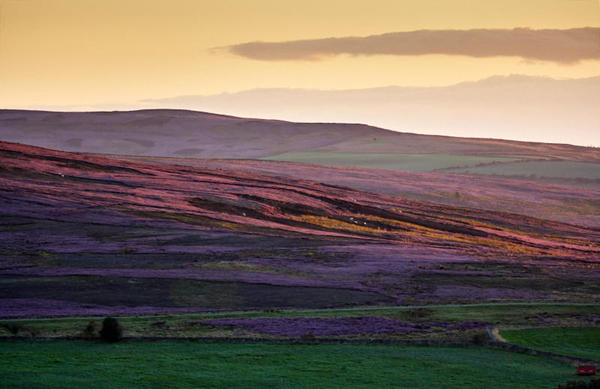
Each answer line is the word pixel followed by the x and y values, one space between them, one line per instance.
pixel 562 46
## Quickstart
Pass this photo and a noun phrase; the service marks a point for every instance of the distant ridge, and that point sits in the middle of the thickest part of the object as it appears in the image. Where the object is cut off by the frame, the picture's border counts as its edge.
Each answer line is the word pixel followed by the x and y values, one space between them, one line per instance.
pixel 183 133
pixel 510 107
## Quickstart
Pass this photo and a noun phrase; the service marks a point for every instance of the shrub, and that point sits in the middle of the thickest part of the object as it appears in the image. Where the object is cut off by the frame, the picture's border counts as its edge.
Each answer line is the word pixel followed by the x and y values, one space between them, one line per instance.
pixel 91 330
pixel 308 337
pixel 13 328
pixel 160 324
pixel 20 329
pixel 480 338
pixel 111 330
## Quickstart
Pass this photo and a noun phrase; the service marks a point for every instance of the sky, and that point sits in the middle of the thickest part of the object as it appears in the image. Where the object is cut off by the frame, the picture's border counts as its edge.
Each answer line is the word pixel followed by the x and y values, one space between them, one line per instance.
pixel 86 53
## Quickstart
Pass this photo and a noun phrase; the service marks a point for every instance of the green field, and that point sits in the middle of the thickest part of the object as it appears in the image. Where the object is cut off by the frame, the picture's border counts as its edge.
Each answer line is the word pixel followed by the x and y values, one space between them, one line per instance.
pixel 195 365
pixel 579 342
pixel 553 169
pixel 403 162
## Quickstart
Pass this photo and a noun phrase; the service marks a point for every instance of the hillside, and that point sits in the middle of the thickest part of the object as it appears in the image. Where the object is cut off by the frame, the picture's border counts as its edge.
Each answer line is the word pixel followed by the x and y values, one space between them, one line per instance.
pixel 541 198
pixel 179 133
pixel 74 224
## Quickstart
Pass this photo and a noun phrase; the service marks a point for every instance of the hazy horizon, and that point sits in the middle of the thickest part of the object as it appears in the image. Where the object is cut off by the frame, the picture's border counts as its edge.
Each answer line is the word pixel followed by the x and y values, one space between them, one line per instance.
pixel 425 110
pixel 116 55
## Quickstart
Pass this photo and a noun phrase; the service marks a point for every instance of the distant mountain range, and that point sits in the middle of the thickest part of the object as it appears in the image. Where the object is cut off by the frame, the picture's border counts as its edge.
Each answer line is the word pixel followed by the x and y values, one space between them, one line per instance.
pixel 514 107
pixel 511 107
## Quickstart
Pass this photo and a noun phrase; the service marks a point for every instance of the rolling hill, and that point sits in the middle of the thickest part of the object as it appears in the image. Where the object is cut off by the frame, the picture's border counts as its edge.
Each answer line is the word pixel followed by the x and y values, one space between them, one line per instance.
pixel 573 203
pixel 180 133
pixel 85 233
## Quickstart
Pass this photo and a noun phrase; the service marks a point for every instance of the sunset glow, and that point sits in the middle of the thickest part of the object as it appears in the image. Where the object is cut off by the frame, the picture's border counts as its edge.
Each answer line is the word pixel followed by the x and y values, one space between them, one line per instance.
pixel 70 52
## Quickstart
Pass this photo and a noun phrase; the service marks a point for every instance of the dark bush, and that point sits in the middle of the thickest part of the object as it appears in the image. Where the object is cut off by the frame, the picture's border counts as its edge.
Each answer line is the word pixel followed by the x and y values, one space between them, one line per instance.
pixel 160 324
pixel 111 330
pixel 20 329
pixel 308 337
pixel 13 328
pixel 91 330
pixel 480 338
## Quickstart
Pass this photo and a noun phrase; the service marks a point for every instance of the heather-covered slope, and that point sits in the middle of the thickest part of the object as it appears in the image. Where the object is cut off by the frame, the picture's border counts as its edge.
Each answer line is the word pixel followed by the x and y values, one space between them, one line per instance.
pixel 573 203
pixel 84 232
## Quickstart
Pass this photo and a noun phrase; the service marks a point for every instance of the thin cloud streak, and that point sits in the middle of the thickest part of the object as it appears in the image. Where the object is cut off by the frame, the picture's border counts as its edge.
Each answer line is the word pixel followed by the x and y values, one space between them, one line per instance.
pixel 561 46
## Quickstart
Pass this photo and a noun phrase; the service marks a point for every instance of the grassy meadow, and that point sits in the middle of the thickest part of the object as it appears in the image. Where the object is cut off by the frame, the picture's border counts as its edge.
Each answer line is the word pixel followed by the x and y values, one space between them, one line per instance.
pixel 195 365
pixel 403 162
pixel 550 169
pixel 578 342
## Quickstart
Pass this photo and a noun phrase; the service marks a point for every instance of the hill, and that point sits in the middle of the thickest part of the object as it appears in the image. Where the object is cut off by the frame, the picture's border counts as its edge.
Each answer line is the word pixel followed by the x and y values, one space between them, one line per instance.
pixel 180 133
pixel 85 232
pixel 539 197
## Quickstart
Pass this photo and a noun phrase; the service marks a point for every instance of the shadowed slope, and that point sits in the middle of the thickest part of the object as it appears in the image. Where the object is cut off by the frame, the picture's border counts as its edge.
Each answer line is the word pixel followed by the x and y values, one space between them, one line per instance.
pixel 171 133
pixel 182 133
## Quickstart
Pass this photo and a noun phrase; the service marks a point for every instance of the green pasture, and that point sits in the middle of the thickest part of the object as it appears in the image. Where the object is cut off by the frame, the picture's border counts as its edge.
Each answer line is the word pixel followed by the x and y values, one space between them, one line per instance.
pixel 403 162
pixel 579 342
pixel 550 169
pixel 62 364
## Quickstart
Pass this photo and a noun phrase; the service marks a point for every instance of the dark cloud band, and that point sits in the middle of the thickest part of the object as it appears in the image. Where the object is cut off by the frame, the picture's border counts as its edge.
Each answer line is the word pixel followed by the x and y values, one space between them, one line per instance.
pixel 563 46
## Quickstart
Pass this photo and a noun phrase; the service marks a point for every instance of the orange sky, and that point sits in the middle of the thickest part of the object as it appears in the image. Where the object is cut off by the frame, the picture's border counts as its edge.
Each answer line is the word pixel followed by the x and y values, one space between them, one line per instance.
pixel 65 52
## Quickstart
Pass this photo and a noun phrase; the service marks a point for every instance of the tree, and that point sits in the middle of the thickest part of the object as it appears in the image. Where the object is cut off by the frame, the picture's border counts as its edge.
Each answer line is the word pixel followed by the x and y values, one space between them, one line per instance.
pixel 111 330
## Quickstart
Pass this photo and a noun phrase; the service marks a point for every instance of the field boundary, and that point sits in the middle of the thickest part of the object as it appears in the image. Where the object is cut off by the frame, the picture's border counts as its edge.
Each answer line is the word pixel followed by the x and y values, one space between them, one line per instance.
pixel 491 342
pixel 496 341
pixel 307 310
pixel 308 341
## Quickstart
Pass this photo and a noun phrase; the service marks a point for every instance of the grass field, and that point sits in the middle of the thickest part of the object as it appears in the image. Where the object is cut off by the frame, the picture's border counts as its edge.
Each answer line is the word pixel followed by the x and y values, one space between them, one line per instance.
pixel 403 162
pixel 191 365
pixel 555 169
pixel 579 342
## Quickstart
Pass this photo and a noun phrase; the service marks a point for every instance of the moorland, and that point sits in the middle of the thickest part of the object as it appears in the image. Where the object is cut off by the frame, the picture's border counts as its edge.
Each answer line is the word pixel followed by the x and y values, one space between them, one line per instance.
pixel 389 252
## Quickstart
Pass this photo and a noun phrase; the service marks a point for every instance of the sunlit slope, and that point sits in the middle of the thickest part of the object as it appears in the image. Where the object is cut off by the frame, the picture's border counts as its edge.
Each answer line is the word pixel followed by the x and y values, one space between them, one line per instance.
pixel 572 200
pixel 86 234
pixel 42 183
